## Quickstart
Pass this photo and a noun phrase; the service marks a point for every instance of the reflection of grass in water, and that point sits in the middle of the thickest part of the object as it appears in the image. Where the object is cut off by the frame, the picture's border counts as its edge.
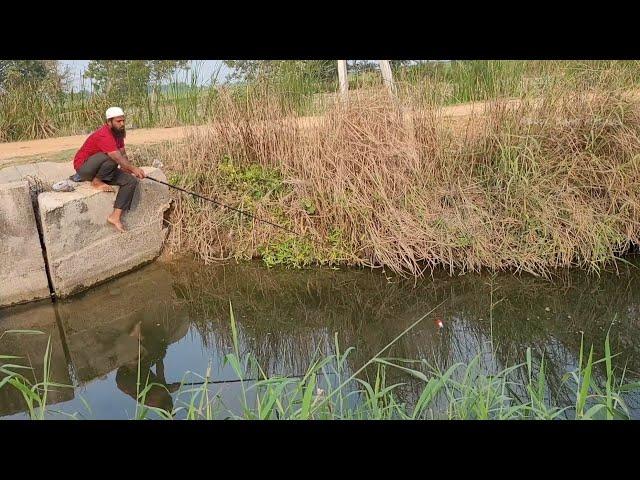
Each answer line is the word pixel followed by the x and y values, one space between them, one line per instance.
pixel 329 389
pixel 291 316
pixel 285 316
pixel 289 313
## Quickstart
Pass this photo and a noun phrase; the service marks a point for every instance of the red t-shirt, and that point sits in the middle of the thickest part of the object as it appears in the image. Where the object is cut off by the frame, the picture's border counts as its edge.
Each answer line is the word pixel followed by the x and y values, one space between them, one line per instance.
pixel 102 140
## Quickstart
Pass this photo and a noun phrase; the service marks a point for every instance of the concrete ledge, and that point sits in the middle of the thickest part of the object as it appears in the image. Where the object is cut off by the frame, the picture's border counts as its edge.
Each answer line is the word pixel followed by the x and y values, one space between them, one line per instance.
pixel 48 172
pixel 84 250
pixel 23 276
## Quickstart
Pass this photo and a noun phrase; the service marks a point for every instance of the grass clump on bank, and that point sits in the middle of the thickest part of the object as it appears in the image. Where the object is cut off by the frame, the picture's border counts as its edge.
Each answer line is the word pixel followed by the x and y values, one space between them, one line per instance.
pixel 291 252
pixel 531 184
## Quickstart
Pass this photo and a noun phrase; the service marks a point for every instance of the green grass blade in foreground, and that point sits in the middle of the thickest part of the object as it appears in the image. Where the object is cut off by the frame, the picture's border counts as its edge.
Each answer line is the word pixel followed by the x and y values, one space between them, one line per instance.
pixel 583 390
pixel 433 387
pixel 609 392
pixel 22 332
pixel 385 348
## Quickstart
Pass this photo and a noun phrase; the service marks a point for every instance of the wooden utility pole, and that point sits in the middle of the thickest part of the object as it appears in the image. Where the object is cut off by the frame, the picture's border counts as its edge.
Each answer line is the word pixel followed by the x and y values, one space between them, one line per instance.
pixel 387 76
pixel 342 77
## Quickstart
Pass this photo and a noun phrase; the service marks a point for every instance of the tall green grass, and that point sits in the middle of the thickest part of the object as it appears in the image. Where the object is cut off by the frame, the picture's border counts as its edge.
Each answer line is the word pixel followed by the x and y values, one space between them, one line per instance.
pixel 455 82
pixel 42 110
pixel 329 390
pixel 34 392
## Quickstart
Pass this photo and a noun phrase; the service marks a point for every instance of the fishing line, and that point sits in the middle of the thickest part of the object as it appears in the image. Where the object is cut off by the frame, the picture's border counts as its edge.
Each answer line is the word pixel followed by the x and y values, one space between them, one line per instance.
pixel 238 380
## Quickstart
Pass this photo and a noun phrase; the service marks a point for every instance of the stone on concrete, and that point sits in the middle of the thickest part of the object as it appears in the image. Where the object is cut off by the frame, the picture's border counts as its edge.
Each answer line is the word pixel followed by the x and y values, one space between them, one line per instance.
pixel 23 276
pixel 83 249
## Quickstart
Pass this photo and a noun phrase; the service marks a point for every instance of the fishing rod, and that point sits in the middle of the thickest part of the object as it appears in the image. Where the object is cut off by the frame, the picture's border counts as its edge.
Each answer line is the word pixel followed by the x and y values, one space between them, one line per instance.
pixel 223 205
pixel 214 382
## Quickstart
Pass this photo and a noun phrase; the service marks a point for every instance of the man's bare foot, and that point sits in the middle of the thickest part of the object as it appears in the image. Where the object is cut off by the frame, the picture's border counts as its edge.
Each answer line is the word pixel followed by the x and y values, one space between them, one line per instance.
pixel 116 223
pixel 100 185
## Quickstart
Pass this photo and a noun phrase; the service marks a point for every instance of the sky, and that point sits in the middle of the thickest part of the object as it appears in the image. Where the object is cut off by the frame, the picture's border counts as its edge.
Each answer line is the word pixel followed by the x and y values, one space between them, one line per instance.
pixel 206 68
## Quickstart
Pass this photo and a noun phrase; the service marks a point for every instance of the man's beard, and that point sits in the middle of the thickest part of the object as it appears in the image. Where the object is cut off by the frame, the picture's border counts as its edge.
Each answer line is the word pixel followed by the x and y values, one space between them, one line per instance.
pixel 119 133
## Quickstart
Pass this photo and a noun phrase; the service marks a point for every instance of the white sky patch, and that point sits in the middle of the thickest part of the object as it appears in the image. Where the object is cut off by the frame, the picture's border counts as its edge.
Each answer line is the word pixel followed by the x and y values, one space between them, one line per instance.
pixel 203 71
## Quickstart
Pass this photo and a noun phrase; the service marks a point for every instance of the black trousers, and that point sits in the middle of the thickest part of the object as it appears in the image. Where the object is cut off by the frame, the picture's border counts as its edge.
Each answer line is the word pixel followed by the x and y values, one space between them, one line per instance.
pixel 100 165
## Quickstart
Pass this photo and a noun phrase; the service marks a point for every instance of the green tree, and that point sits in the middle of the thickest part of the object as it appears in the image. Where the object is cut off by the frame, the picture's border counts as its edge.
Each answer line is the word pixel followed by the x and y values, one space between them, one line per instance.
pixel 28 71
pixel 324 71
pixel 251 70
pixel 130 77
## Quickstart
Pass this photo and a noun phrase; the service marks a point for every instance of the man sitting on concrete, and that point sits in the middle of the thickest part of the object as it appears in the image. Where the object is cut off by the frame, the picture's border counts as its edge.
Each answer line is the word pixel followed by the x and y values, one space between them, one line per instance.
pixel 98 159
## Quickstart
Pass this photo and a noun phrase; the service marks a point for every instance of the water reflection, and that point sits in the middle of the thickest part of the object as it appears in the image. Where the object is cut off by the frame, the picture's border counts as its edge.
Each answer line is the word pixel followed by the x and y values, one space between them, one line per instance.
pixel 31 348
pixel 103 330
pixel 286 318
pixel 153 348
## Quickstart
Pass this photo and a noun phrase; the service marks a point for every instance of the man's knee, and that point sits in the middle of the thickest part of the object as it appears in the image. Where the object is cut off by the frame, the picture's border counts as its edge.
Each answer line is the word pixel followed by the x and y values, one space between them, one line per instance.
pixel 107 169
pixel 95 166
pixel 131 180
pixel 110 163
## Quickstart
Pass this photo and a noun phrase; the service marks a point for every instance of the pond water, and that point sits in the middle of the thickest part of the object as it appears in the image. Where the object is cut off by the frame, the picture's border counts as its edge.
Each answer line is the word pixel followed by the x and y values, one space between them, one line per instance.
pixel 284 317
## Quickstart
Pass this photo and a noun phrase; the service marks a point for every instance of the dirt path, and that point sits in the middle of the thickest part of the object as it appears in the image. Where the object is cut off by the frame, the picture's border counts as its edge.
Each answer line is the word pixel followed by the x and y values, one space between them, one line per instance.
pixel 9 152
pixel 12 150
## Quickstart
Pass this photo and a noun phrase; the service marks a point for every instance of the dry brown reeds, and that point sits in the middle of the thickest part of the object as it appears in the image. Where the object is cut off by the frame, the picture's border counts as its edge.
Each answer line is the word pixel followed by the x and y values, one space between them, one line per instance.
pixel 529 185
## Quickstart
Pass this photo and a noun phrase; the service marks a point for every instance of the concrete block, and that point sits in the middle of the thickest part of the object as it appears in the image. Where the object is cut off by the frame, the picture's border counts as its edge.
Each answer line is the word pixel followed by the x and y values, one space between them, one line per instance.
pixel 47 172
pixel 23 276
pixel 52 172
pixel 10 175
pixel 83 249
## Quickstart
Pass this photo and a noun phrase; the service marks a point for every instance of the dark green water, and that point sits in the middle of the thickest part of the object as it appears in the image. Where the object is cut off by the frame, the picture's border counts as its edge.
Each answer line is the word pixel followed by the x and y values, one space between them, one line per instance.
pixel 284 316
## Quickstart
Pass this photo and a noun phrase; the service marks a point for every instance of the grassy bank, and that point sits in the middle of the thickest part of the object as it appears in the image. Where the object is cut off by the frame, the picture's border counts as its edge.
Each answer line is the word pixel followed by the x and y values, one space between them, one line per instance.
pixel 545 182
pixel 330 389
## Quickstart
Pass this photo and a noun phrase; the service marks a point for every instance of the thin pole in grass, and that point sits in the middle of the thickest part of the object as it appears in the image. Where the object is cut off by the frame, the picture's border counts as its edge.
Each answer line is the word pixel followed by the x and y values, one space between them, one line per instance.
pixel 138 379
pixel 342 79
pixel 406 330
pixel 387 76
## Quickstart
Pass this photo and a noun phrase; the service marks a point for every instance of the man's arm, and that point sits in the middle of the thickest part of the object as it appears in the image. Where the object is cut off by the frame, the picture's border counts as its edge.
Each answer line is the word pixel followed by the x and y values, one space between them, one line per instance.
pixel 120 157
